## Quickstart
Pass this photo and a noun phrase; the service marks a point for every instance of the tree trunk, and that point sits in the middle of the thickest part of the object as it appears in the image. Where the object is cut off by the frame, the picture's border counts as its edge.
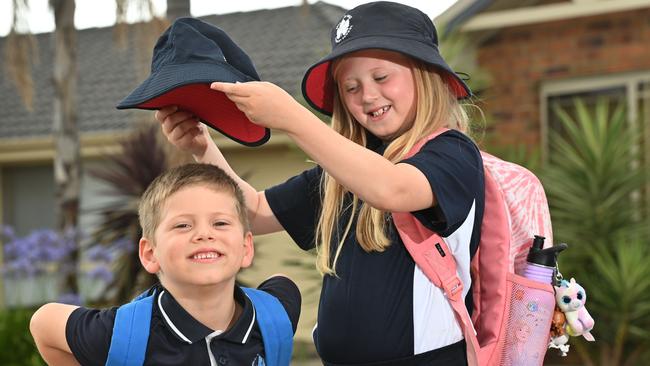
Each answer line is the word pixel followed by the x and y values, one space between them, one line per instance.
pixel 67 161
pixel 177 9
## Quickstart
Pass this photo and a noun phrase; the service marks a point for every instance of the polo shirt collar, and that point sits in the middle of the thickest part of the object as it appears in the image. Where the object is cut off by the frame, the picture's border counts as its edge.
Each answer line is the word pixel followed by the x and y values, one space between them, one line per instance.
pixel 189 330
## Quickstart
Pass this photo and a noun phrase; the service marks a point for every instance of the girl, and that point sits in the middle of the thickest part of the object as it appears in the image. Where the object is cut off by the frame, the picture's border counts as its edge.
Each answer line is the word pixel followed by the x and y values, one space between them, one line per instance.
pixel 386 87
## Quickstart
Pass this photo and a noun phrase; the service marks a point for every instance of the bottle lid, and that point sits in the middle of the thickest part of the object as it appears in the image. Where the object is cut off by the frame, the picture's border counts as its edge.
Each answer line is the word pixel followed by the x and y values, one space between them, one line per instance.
pixel 544 257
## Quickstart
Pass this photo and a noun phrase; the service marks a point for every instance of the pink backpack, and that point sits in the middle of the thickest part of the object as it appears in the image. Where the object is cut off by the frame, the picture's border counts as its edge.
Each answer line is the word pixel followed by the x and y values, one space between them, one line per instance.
pixel 512 315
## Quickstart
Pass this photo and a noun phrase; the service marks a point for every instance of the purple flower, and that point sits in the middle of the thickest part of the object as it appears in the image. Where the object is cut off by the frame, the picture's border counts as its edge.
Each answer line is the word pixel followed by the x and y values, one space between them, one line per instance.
pixel 8 232
pixel 101 273
pixel 99 253
pixel 44 249
pixel 31 254
pixel 70 299
pixel 53 253
pixel 21 267
pixel 124 245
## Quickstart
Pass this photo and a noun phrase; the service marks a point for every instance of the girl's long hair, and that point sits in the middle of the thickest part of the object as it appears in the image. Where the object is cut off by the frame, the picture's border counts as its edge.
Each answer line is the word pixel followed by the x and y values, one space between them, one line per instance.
pixel 436 107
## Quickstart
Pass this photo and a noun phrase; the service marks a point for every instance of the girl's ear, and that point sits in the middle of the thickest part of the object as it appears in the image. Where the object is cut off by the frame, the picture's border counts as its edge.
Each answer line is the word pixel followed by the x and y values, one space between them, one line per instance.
pixel 249 250
pixel 147 256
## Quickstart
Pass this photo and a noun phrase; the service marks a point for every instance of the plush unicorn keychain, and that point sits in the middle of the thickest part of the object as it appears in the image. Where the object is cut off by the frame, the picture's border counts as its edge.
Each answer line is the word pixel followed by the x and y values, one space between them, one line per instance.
pixel 570 299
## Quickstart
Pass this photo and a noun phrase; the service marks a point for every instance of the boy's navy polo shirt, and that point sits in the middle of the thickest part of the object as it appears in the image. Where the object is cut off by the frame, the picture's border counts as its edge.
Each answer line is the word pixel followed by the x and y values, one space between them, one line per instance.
pixel 176 338
pixel 381 309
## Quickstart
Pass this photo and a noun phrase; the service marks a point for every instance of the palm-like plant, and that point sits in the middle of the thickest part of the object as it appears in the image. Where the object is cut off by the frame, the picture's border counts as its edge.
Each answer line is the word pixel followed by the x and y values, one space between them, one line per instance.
pixel 129 173
pixel 591 178
pixel 593 183
pixel 619 299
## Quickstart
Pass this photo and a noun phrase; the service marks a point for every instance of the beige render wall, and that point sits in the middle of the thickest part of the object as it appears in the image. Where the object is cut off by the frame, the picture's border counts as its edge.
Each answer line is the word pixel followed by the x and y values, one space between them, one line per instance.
pixel 265 167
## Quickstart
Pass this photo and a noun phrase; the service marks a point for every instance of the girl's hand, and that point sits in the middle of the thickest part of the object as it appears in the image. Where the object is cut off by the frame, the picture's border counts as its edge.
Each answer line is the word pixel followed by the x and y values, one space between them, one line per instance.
pixel 184 130
pixel 264 103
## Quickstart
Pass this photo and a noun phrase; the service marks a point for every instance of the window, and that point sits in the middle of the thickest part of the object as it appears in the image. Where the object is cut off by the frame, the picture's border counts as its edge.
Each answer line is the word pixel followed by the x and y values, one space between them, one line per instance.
pixel 631 89
pixel 28 203
pixel 28 197
pixel 614 95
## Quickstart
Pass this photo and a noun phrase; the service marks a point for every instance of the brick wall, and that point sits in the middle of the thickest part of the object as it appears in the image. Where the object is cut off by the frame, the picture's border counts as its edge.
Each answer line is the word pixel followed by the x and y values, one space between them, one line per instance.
pixel 520 58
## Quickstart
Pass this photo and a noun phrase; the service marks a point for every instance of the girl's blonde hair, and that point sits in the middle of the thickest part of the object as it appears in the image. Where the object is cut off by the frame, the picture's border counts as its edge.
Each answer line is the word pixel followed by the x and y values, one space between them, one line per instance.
pixel 436 107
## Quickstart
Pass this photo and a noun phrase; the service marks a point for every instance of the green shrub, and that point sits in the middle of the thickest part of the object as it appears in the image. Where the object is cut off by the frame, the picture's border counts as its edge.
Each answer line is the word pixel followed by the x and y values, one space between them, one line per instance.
pixel 18 348
pixel 595 183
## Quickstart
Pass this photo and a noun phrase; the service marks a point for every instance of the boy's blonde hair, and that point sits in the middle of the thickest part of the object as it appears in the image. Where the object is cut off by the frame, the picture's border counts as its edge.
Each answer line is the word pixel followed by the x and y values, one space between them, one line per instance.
pixel 154 198
pixel 436 107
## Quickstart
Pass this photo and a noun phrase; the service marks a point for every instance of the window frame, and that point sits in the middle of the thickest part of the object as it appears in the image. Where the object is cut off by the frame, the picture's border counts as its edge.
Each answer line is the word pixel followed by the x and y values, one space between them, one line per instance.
pixel 630 81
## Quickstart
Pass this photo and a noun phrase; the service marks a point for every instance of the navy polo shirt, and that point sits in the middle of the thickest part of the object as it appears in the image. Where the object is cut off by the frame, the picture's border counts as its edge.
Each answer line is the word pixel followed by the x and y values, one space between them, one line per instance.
pixel 380 309
pixel 176 338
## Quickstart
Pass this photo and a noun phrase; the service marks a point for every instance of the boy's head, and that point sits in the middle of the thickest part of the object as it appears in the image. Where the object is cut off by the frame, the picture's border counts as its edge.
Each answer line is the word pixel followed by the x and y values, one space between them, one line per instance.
pixel 195 227
pixel 153 199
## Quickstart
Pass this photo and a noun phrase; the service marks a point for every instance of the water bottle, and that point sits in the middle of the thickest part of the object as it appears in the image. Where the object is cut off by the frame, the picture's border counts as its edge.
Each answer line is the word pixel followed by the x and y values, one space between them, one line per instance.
pixel 541 263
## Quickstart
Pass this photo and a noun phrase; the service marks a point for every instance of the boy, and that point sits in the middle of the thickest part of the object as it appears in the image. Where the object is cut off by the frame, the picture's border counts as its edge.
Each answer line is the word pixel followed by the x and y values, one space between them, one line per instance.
pixel 196 237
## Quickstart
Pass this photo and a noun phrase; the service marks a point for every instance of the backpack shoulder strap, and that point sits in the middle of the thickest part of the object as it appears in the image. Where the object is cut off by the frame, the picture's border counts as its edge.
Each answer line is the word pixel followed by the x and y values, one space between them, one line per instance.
pixel 418 145
pixel 274 323
pixel 432 255
pixel 131 332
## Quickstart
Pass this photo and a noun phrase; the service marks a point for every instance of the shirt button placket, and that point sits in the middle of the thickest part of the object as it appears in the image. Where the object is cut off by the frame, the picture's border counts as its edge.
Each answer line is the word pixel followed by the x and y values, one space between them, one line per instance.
pixel 213 361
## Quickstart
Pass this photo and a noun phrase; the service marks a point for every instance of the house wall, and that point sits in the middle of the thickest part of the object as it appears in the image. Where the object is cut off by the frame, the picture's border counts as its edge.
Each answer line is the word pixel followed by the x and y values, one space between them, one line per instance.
pixel 520 58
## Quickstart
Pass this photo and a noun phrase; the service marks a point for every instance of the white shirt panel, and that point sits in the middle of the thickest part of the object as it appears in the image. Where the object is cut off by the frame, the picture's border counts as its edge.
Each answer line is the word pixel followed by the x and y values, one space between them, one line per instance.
pixel 434 322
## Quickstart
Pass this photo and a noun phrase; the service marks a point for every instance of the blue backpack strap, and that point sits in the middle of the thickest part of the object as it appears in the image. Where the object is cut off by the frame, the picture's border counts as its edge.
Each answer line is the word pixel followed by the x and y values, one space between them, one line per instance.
pixel 131 332
pixel 274 323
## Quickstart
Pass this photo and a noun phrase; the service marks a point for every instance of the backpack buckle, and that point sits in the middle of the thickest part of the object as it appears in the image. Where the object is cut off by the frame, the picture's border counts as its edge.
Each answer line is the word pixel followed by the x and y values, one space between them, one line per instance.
pixel 453 288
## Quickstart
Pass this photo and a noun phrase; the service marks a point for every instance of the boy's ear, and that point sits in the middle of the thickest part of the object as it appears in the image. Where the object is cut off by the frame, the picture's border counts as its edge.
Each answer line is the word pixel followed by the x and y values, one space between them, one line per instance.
pixel 249 250
pixel 147 257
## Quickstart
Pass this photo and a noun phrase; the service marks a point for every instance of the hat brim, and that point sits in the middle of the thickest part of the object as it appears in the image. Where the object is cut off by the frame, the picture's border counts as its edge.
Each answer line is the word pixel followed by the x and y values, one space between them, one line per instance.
pixel 318 85
pixel 188 87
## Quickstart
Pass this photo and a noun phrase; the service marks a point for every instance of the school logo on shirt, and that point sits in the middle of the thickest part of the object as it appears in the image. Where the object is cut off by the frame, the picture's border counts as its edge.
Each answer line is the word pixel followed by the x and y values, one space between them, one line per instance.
pixel 343 28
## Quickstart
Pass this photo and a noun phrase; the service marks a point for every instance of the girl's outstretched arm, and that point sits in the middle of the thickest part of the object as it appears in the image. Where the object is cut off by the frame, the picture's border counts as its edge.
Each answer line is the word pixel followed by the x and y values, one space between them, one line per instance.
pixel 185 132
pixel 374 179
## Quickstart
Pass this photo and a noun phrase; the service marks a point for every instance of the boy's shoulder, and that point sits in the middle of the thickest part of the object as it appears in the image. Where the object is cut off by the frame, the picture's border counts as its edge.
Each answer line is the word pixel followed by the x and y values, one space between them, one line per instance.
pixel 173 330
pixel 285 290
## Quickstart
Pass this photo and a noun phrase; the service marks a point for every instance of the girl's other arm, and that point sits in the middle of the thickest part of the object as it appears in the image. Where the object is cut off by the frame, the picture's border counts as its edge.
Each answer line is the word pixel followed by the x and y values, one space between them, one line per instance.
pixel 48 329
pixel 184 131
pixel 374 179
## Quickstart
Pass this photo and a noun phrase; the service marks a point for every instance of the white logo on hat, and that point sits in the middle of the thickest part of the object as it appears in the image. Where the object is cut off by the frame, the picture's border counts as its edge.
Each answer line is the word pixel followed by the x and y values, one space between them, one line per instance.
pixel 343 28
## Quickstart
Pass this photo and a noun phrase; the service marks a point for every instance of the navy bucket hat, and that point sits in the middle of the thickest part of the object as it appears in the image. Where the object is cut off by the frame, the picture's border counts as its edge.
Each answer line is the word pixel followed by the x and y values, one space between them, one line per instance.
pixel 379 25
pixel 189 56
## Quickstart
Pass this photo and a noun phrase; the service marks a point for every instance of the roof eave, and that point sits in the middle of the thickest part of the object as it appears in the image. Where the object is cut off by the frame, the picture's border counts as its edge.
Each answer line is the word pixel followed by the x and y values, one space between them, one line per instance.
pixel 548 13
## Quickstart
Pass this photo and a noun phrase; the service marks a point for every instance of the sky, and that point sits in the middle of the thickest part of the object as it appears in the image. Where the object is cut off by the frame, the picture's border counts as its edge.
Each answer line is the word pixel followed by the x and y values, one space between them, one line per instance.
pixel 101 13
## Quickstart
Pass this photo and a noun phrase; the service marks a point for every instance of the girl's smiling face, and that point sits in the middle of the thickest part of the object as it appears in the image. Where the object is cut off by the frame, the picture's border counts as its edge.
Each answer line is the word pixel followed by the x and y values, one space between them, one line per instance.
pixel 378 89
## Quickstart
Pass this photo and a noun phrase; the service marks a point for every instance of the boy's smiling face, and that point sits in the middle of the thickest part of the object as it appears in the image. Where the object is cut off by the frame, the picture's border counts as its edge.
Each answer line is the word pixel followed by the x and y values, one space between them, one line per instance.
pixel 199 240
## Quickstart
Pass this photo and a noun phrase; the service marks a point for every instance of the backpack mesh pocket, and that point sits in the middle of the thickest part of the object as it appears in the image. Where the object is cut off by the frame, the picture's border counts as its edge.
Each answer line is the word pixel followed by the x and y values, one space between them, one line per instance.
pixel 528 322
